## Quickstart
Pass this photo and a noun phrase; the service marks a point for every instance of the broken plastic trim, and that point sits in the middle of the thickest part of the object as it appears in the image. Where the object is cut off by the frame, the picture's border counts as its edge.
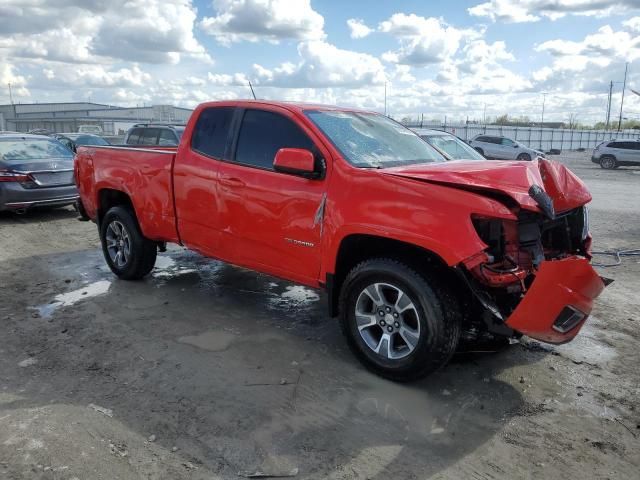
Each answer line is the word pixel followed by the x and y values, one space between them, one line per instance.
pixel 543 200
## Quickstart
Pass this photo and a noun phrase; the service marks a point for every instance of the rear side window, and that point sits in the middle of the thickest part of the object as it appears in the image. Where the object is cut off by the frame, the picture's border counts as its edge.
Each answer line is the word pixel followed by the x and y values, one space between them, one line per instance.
pixel 134 136
pixel 263 133
pixel 211 131
pixel 149 136
pixel 167 137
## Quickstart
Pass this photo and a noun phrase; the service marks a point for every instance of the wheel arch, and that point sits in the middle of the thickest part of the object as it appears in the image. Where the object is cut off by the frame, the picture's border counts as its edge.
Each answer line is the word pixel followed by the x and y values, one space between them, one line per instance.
pixel 355 248
pixel 110 197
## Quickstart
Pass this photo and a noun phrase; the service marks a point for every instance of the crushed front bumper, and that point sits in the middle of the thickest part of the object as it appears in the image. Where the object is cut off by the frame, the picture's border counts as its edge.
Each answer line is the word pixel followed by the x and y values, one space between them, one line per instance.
pixel 559 300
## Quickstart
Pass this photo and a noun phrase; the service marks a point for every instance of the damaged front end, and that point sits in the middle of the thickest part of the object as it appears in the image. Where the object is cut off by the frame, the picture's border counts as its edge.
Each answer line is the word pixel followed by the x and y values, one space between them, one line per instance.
pixel 534 277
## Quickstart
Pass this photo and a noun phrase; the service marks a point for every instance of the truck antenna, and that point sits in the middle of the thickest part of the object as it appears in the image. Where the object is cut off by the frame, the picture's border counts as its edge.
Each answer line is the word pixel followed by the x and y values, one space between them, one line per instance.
pixel 252 92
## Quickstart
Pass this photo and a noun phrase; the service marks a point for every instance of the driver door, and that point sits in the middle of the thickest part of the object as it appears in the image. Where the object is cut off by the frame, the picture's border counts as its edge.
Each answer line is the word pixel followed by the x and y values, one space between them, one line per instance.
pixel 269 219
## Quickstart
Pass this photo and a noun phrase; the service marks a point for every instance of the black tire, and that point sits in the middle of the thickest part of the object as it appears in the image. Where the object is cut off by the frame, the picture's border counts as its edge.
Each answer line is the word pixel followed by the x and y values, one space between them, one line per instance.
pixel 82 213
pixel 435 309
pixel 608 162
pixel 524 157
pixel 141 256
pixel 480 151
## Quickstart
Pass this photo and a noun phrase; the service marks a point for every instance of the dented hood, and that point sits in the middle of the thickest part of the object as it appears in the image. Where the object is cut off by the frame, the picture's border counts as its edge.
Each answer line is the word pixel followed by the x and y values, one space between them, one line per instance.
pixel 511 178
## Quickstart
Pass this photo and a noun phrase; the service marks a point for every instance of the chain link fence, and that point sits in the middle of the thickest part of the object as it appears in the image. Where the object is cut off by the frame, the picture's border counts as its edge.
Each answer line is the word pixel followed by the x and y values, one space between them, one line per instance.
pixel 540 138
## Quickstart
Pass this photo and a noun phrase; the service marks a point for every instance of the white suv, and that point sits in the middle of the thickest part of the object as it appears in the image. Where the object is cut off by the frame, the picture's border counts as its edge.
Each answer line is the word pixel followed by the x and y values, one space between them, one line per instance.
pixel 502 148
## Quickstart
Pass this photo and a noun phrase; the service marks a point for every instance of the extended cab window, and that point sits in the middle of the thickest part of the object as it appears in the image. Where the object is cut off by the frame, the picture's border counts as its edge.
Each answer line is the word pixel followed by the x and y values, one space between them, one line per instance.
pixel 263 133
pixel 211 130
pixel 167 137
pixel 150 136
pixel 134 136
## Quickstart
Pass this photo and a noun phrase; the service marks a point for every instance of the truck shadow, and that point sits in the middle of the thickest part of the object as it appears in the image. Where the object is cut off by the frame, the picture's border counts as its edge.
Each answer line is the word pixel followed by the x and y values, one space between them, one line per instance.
pixel 239 369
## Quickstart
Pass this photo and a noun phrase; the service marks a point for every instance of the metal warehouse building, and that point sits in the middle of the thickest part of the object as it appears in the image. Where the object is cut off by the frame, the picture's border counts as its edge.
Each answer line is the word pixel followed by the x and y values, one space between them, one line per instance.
pixel 67 117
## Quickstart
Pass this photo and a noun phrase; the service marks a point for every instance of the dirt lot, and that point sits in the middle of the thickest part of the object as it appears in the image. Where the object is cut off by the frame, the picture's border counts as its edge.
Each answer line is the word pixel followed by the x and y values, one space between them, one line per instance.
pixel 205 371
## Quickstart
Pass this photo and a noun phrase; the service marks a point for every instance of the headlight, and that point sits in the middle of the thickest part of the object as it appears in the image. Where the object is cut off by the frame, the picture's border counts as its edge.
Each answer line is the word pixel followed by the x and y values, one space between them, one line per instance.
pixel 585 223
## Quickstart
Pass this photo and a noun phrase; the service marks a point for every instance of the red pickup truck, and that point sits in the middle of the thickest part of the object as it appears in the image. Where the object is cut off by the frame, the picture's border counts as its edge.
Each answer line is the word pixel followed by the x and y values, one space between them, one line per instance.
pixel 412 250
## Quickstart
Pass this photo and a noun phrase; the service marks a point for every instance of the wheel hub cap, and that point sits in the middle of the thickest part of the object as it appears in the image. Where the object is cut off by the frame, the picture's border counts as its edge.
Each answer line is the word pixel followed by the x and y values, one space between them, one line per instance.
pixel 387 320
pixel 118 243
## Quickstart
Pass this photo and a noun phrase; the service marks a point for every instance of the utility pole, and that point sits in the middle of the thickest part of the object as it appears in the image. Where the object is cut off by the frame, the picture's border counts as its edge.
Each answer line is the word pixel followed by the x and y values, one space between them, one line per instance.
pixel 484 114
pixel 385 99
pixel 624 86
pixel 544 97
pixel 10 94
pixel 609 105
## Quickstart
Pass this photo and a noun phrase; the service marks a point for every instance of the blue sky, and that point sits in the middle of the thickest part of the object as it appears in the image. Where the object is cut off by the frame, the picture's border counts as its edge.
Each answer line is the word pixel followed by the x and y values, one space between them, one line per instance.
pixel 437 58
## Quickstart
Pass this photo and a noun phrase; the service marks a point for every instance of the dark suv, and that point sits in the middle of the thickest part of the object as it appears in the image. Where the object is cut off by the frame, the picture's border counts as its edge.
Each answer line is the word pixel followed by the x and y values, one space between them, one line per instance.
pixel 154 134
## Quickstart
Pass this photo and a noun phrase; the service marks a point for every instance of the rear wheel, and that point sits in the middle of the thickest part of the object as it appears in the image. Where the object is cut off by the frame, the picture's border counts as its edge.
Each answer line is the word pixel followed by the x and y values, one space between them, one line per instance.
pixel 607 162
pixel 128 253
pixel 400 324
pixel 524 157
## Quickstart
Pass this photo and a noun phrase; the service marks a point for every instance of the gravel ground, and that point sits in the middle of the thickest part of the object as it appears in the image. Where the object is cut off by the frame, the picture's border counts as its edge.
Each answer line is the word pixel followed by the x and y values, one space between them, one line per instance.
pixel 207 371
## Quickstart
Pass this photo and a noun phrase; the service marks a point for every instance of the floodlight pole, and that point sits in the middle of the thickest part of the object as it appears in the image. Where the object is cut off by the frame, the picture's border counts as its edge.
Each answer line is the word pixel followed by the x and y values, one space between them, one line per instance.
pixel 624 86
pixel 609 105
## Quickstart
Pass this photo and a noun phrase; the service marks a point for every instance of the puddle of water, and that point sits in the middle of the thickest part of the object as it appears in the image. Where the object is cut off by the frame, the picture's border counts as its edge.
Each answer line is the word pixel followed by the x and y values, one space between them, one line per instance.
pixel 300 294
pixel 212 340
pixel 66 299
pixel 166 267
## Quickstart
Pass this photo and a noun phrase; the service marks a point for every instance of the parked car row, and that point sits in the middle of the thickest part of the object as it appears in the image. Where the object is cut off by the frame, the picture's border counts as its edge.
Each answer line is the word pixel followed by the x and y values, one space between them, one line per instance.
pixel 36 168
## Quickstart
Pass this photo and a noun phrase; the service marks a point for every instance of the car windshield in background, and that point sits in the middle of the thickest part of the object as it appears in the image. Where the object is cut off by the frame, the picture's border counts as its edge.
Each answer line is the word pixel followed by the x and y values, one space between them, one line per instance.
pixel 453 147
pixel 21 150
pixel 369 140
pixel 90 140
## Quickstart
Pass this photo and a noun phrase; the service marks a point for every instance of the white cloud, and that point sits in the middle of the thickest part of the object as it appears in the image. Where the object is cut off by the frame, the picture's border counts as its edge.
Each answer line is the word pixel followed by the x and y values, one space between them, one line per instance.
pixel 604 45
pixel 324 65
pixel 519 11
pixel 150 31
pixel 358 28
pixel 422 40
pixel 271 20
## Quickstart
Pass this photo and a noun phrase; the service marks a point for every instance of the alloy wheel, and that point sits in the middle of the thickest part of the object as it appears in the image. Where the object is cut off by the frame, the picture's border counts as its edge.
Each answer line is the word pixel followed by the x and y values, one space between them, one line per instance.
pixel 387 320
pixel 118 243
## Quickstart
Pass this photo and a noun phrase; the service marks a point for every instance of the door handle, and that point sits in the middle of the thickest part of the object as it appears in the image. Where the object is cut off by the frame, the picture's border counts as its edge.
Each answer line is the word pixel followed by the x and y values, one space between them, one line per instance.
pixel 231 182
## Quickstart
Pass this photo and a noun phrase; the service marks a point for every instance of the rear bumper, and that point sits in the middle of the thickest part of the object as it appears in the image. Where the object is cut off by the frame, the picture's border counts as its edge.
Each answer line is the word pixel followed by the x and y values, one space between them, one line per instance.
pixel 559 300
pixel 14 197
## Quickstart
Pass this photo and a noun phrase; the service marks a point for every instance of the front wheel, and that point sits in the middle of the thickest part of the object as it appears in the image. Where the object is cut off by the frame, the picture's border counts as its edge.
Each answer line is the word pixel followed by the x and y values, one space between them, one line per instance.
pixel 608 162
pixel 524 157
pixel 480 151
pixel 396 321
pixel 128 253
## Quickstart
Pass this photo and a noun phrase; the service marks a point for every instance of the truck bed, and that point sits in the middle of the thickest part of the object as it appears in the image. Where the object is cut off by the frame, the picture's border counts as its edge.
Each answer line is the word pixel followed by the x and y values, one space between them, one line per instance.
pixel 144 174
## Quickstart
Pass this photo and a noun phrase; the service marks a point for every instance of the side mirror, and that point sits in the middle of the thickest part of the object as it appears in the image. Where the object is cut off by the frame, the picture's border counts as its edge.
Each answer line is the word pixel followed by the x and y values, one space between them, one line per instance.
pixel 296 161
pixel 515 145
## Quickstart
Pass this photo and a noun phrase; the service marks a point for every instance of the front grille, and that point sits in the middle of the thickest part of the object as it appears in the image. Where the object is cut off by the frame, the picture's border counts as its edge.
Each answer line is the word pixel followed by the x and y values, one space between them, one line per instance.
pixel 51 179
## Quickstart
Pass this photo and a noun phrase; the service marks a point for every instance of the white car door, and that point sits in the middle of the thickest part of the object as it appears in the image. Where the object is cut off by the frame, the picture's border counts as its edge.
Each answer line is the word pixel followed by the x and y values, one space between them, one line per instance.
pixel 507 149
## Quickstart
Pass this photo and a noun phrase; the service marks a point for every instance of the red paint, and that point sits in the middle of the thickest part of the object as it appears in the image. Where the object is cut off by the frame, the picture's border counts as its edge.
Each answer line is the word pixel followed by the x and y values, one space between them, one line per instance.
pixel 294 159
pixel 267 220
pixel 558 283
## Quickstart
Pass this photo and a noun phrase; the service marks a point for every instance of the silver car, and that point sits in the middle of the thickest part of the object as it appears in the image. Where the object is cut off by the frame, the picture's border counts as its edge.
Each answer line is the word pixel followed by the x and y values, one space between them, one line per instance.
pixel 502 148
pixel 449 145
pixel 35 171
pixel 616 153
